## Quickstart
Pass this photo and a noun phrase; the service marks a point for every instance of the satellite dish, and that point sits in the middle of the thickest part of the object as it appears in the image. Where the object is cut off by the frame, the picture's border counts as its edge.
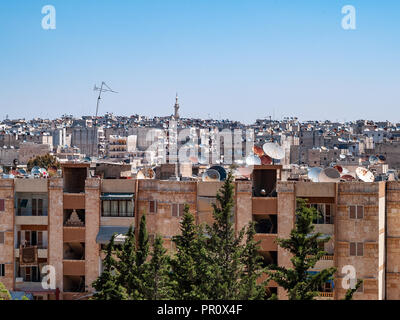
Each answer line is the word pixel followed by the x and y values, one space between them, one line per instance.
pixel 274 150
pixel 347 177
pixel 373 160
pixel 258 151
pixel 194 160
pixel 342 156
pixel 329 175
pixel 211 175
pixel 338 168
pixel 381 158
pixel 313 174
pixel 253 160
pixel 203 160
pixel 221 171
pixel 365 175
pixel 324 148
pixel 265 160
pixel 146 174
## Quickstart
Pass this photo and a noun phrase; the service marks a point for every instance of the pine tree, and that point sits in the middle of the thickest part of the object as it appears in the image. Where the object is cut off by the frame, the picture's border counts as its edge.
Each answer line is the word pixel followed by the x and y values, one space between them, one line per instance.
pixel 107 285
pixel 250 289
pixel 156 273
pixel 304 245
pixel 224 249
pixel 126 264
pixel 4 293
pixel 143 242
pixel 189 267
pixel 351 291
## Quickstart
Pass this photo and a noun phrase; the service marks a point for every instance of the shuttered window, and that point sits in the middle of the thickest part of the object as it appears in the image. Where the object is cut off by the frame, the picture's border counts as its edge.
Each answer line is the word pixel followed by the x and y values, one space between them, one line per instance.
pixel 2 205
pixel 356 249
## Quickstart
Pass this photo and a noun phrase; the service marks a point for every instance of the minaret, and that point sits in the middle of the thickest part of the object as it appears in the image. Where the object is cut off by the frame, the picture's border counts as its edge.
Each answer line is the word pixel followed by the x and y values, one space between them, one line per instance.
pixel 176 107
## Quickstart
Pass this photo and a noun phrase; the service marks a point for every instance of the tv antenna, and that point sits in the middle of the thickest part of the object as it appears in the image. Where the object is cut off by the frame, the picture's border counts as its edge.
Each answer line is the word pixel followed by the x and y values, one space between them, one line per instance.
pixel 103 88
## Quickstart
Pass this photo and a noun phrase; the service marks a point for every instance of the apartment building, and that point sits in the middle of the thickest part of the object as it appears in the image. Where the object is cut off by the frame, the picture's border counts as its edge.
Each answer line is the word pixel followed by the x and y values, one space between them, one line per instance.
pixel 65 222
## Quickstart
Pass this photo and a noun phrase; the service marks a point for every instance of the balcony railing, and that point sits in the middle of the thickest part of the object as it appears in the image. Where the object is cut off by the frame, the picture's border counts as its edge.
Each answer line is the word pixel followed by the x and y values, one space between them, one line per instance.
pixel 326 294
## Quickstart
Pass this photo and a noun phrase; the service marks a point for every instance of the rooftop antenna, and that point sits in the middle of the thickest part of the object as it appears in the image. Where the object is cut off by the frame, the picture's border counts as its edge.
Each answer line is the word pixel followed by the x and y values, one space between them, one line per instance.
pixel 103 88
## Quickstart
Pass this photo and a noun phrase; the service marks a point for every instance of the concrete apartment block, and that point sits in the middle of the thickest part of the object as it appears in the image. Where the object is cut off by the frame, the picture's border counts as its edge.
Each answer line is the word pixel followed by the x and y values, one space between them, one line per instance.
pixel 70 219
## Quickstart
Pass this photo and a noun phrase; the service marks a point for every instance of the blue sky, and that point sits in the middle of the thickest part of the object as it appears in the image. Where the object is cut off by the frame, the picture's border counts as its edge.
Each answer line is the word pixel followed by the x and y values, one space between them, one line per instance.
pixel 237 59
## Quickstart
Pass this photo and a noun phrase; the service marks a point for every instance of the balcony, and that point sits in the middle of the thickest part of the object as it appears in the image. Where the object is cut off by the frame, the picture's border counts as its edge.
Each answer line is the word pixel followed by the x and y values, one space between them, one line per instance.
pixel 22 285
pixel 42 253
pixel 267 241
pixel 74 234
pixel 265 205
pixel 74 201
pixel 325 295
pixel 31 220
pixel 325 262
pixel 74 267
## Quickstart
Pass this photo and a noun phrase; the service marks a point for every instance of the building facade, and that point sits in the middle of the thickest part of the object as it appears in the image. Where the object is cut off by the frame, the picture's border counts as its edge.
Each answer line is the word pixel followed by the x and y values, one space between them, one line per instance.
pixel 65 222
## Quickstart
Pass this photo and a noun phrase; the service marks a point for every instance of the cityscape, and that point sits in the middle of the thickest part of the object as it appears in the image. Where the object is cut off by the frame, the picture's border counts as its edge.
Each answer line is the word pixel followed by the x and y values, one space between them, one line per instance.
pixel 181 158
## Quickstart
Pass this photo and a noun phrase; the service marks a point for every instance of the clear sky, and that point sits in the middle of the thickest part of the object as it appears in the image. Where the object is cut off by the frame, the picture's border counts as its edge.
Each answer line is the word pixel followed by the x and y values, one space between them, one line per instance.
pixel 236 59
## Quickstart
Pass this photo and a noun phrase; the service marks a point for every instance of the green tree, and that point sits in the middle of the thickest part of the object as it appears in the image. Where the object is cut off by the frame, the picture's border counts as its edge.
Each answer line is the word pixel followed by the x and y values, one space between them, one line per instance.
pixel 251 290
pixel 107 285
pixel 156 273
pixel 143 242
pixel 304 245
pixel 351 291
pixel 189 267
pixel 126 264
pixel 47 161
pixel 4 294
pixel 227 254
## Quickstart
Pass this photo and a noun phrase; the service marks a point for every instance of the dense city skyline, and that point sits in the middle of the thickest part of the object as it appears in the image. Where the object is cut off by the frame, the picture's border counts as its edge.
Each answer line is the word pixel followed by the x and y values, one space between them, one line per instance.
pixel 240 60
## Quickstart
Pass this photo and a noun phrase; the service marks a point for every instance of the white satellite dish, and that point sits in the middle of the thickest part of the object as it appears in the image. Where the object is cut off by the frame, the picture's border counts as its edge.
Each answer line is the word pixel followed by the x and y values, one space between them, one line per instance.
pixel 313 174
pixel 329 175
pixel 211 175
pixel 342 156
pixel 253 160
pixel 274 150
pixel 365 175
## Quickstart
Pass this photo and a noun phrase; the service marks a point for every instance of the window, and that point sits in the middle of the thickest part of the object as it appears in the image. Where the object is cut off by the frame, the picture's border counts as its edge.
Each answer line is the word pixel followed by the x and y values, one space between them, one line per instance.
pixel 177 209
pixel 152 206
pixel 325 213
pixel 2 270
pixel 356 212
pixel 356 249
pixel 2 205
pixel 1 237
pixel 117 208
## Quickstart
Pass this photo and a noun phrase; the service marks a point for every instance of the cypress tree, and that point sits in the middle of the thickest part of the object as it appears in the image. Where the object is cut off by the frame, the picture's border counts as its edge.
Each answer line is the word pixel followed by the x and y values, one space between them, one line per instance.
pixel 107 285
pixel 351 291
pixel 126 264
pixel 189 267
pixel 142 251
pixel 156 273
pixel 253 270
pixel 224 249
pixel 304 245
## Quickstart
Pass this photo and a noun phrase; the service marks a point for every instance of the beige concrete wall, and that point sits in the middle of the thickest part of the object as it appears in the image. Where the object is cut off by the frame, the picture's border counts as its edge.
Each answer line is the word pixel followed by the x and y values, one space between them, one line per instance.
pixel 315 189
pixel 92 224
pixel 55 236
pixel 31 185
pixel 7 226
pixel 364 230
pixel 165 193
pixel 286 220
pixel 118 185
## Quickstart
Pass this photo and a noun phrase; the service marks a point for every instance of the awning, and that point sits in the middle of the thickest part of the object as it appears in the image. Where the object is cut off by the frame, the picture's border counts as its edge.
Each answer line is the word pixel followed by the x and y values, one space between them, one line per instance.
pixel 116 196
pixel 106 232
pixel 18 295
